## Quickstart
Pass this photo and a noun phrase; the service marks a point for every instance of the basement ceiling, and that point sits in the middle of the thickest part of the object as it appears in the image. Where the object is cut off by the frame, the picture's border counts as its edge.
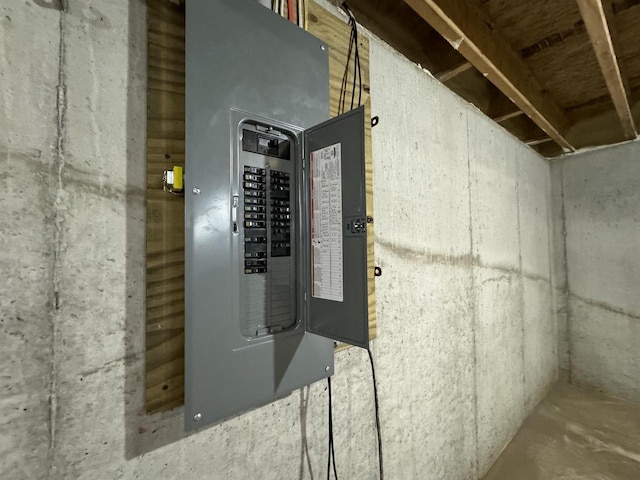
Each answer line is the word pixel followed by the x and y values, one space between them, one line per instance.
pixel 558 74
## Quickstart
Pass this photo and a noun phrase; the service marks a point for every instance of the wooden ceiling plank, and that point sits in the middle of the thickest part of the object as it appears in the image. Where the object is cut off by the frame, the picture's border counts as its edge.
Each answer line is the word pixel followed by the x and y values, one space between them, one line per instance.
pixel 462 24
pixel 615 40
pixel 595 19
pixel 447 75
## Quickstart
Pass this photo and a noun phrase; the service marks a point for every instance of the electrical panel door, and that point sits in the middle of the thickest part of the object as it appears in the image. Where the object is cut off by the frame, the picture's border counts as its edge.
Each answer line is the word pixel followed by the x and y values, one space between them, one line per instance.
pixel 262 305
pixel 338 298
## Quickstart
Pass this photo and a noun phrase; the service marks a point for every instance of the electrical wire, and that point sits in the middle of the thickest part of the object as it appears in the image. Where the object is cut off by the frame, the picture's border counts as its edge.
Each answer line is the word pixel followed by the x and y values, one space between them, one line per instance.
pixel 331 454
pixel 291 11
pixel 300 11
pixel 357 71
pixel 356 63
pixel 377 407
pixel 343 87
pixel 306 17
pixel 355 58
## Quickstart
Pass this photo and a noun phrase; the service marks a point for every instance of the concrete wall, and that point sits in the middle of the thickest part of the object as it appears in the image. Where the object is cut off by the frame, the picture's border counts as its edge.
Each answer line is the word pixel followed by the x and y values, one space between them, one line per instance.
pixel 559 271
pixel 598 195
pixel 466 339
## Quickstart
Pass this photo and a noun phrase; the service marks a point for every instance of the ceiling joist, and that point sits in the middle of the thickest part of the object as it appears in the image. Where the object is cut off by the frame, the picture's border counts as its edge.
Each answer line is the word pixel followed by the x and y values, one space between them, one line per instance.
pixel 502 109
pixel 463 25
pixel 537 141
pixel 507 116
pixel 599 30
pixel 447 75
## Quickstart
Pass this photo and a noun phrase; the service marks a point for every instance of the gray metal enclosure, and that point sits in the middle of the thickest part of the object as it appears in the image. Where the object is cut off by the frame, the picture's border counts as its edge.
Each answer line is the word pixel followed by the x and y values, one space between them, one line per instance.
pixel 256 329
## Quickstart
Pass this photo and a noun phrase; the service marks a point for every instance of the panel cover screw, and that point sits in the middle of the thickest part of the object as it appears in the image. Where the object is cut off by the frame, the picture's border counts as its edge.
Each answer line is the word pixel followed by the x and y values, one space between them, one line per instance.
pixel 196 191
pixel 326 369
pixel 197 417
pixel 322 47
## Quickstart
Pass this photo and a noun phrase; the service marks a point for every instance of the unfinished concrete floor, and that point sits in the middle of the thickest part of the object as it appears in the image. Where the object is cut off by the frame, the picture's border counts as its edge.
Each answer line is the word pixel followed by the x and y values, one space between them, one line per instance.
pixel 574 434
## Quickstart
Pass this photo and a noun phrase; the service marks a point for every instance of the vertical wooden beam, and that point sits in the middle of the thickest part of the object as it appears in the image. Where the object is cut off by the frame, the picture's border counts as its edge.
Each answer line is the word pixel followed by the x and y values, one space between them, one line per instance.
pixel 462 24
pixel 164 382
pixel 595 19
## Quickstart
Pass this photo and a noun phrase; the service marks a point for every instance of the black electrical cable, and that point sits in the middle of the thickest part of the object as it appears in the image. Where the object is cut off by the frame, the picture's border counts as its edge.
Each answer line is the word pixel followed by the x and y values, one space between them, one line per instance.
pixel 329 423
pixel 345 76
pixel 375 397
pixel 355 59
pixel 356 64
pixel 331 455
pixel 357 71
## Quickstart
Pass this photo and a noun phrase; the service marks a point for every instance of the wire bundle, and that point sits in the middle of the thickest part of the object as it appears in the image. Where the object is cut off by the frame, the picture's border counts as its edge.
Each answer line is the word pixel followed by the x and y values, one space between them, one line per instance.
pixel 293 10
pixel 357 72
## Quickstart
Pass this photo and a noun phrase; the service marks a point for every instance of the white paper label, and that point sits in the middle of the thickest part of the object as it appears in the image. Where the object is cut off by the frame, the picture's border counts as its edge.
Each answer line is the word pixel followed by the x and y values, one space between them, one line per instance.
pixel 326 224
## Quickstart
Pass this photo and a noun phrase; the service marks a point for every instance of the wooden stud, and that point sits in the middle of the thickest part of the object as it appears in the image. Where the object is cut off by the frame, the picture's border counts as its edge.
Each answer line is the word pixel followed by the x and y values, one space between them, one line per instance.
pixel 593 14
pixel 463 25
pixel 164 386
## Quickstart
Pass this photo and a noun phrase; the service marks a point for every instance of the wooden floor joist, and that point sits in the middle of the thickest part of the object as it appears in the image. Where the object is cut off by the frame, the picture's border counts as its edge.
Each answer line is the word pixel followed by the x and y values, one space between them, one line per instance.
pixel 537 141
pixel 507 116
pixel 447 75
pixel 462 24
pixel 595 19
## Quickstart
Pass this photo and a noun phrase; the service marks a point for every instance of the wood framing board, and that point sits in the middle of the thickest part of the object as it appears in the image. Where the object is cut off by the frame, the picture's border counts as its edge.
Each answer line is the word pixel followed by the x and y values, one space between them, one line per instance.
pixel 164 387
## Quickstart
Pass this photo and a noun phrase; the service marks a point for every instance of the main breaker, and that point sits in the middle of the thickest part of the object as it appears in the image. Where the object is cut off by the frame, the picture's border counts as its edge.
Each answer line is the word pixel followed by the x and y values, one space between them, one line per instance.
pixel 275 221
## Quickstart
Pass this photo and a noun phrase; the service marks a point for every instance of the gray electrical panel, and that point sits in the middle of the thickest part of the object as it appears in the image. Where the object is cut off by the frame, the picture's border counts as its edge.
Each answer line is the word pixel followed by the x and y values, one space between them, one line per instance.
pixel 275 222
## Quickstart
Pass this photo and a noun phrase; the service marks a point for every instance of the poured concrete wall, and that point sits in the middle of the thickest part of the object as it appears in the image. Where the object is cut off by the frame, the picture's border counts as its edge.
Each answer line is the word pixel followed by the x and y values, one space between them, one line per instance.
pixel 466 330
pixel 598 198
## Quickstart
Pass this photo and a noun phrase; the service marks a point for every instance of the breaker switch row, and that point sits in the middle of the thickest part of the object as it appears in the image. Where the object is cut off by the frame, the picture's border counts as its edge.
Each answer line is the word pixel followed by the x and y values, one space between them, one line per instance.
pixel 255 220
pixel 280 214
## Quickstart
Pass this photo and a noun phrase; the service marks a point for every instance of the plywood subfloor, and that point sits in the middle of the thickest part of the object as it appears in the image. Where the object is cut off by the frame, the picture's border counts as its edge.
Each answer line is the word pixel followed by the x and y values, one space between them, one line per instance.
pixel 165 213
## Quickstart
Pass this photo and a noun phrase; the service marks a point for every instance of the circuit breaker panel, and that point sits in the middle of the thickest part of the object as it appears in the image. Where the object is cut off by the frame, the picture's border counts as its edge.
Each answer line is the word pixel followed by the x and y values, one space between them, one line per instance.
pixel 265 209
pixel 275 222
